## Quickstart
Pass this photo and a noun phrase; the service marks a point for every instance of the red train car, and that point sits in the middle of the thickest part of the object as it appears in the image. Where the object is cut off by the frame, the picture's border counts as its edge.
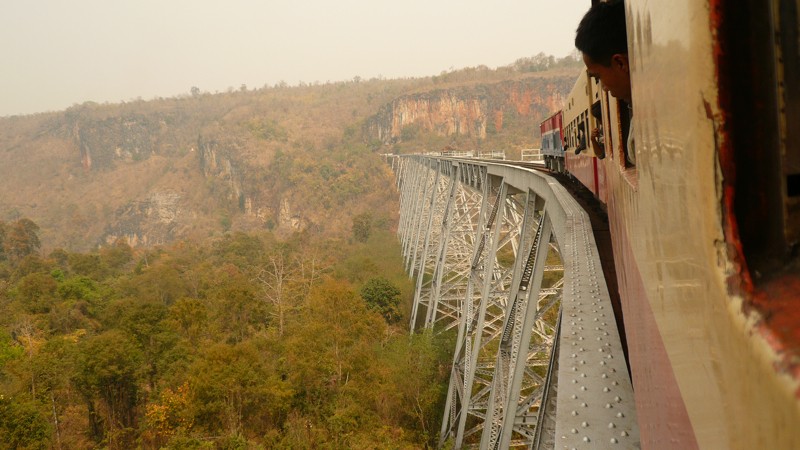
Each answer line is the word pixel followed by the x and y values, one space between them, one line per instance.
pixel 552 131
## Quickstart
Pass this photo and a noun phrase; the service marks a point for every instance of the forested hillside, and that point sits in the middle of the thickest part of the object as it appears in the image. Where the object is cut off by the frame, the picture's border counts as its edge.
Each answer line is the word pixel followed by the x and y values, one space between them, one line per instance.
pixel 246 342
pixel 281 158
pixel 222 271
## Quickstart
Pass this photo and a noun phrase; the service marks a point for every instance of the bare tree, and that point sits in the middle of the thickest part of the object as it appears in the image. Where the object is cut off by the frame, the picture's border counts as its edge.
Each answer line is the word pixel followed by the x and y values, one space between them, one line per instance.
pixel 274 281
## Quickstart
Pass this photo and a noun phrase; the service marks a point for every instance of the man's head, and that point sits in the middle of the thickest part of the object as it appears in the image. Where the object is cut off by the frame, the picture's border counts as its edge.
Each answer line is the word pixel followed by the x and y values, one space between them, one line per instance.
pixel 603 40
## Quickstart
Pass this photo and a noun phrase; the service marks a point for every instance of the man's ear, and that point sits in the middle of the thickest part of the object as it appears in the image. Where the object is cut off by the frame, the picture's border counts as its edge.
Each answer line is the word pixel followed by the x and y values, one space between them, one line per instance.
pixel 620 61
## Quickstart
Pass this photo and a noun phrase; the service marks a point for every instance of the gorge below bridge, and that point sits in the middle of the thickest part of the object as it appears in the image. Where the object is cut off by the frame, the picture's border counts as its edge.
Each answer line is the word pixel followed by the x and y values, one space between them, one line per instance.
pixel 504 255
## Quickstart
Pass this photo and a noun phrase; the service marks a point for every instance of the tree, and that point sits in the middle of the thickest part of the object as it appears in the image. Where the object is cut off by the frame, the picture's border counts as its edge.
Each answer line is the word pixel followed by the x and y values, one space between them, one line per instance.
pixel 190 317
pixel 382 296
pixel 22 424
pixel 362 227
pixel 21 239
pixel 168 416
pixel 320 368
pixel 412 382
pixel 37 291
pixel 235 306
pixel 145 322
pixel 116 256
pixel 236 387
pixel 110 371
pixel 52 368
pixel 274 279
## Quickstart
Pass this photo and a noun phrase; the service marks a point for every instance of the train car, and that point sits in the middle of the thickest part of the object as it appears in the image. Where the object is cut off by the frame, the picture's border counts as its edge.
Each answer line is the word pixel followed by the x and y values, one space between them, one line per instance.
pixel 581 156
pixel 704 212
pixel 552 133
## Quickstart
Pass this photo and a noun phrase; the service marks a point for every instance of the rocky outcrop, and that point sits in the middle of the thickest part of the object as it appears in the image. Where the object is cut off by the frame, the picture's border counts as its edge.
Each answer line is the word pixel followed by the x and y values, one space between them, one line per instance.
pixel 443 112
pixel 287 220
pixel 217 163
pixel 228 177
pixel 155 220
pixel 471 111
pixel 129 138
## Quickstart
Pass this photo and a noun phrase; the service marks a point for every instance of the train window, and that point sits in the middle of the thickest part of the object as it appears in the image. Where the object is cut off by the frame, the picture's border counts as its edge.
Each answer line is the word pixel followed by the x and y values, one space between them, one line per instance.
pixel 788 24
pixel 793 185
pixel 625 117
pixel 762 120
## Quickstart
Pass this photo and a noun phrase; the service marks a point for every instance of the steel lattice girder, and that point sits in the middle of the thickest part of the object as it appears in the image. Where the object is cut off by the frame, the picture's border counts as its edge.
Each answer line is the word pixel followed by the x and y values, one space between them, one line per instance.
pixel 483 241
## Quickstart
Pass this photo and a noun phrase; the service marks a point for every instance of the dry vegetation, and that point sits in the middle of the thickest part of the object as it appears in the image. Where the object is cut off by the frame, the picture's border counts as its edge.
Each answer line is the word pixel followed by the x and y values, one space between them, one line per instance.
pixel 218 271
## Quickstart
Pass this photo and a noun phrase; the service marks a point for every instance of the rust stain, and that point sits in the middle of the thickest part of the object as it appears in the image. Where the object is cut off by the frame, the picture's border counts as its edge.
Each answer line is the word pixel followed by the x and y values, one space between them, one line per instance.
pixel 740 281
pixel 775 299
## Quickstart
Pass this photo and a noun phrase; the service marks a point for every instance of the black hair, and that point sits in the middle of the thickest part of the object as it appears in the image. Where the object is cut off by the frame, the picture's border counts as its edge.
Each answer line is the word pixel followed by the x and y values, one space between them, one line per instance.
pixel 601 33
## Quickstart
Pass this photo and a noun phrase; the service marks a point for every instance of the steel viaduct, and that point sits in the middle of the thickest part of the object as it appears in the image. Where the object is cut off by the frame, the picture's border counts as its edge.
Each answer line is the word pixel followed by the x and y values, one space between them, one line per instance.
pixel 505 256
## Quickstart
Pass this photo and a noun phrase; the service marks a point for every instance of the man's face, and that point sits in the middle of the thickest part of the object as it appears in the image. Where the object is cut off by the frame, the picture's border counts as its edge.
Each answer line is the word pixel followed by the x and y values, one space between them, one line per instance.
pixel 615 78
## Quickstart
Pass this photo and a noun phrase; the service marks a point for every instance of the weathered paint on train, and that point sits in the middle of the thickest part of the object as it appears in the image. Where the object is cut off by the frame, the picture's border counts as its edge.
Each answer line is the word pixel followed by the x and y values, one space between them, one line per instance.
pixel 711 367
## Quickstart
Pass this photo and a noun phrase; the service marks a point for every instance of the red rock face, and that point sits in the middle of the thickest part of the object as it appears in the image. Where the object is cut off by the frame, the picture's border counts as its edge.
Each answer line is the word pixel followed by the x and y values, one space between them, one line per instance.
pixel 446 115
pixel 515 107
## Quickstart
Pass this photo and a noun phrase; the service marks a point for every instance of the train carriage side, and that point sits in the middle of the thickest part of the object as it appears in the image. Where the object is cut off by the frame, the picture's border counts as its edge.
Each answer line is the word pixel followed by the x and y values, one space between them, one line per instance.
pixel 552 142
pixel 704 221
pixel 581 159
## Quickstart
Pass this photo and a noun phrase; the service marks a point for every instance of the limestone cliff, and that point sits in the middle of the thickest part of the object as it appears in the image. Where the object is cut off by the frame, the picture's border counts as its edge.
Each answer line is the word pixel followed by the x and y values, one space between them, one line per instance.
pixel 156 220
pixel 216 162
pixel 476 111
pixel 102 142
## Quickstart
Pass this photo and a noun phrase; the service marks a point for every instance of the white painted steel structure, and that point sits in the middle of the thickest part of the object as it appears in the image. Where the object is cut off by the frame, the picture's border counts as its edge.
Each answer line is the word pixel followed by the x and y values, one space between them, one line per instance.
pixel 503 256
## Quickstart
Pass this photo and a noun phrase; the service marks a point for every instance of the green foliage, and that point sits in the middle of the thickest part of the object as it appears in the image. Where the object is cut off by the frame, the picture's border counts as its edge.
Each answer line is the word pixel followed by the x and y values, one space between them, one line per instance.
pixel 116 256
pixel 249 342
pixel 268 130
pixel 236 309
pixel 321 370
pixel 362 226
pixel 88 265
pixel 254 339
pixel 110 372
pixel 415 369
pixel 146 323
pixel 23 425
pixel 37 291
pixel 382 296
pixel 80 288
pixel 9 350
pixel 235 387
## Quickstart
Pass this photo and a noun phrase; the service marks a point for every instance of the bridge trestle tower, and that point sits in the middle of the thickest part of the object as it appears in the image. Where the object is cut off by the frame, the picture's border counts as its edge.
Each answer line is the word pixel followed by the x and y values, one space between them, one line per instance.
pixel 505 259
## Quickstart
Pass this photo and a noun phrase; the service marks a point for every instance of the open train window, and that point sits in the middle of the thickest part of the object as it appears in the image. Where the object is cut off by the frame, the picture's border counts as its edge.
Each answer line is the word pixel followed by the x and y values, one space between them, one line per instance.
pixel 788 24
pixel 625 116
pixel 762 109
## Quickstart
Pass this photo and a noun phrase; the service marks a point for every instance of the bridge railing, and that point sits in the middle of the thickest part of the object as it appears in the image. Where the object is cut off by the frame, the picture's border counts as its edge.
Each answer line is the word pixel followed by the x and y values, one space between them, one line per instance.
pixel 505 258
pixel 531 155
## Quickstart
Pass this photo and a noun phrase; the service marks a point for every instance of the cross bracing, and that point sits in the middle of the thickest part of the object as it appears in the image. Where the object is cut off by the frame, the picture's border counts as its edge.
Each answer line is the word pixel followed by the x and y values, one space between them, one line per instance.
pixel 500 254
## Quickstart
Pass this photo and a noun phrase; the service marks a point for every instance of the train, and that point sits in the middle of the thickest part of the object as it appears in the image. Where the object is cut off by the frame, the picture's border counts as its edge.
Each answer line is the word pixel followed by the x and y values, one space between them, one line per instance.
pixel 704 215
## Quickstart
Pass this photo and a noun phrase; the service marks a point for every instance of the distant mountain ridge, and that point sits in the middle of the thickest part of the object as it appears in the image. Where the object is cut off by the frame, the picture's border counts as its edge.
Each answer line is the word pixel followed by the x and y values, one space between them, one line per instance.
pixel 290 159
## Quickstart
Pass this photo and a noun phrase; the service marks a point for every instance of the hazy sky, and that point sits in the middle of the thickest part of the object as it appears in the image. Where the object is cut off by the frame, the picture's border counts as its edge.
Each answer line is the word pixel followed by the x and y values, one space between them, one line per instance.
pixel 56 53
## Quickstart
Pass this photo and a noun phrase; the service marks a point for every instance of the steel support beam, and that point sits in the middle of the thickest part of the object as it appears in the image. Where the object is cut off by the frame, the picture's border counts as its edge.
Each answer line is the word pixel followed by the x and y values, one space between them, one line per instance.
pixel 501 253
